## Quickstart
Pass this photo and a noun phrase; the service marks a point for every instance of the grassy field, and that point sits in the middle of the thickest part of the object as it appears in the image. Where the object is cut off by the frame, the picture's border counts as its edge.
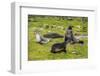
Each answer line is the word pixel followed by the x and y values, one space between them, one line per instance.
pixel 56 24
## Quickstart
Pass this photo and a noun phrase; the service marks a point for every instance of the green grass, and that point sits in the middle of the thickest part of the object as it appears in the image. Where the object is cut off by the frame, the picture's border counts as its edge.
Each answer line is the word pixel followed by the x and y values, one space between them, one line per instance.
pixel 42 52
